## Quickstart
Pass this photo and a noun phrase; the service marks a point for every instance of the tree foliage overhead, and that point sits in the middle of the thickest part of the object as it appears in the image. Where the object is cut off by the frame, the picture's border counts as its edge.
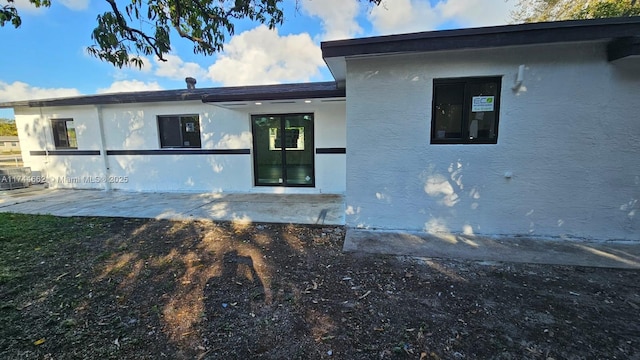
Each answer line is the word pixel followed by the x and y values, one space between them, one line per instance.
pixel 145 27
pixel 552 10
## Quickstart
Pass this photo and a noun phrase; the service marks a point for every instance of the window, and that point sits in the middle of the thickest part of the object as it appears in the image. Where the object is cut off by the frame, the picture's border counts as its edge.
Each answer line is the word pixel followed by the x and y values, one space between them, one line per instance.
pixel 465 110
pixel 180 131
pixel 64 134
pixel 14 144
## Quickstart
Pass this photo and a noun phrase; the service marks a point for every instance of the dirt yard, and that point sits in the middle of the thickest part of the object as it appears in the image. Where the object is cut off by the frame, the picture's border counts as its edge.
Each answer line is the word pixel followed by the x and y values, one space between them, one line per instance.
pixel 99 288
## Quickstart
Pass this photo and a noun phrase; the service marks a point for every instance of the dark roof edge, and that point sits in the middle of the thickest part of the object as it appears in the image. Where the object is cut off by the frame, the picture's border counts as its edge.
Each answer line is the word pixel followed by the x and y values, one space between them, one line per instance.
pixel 114 98
pixel 485 37
pixel 315 90
pixel 218 94
pixel 623 47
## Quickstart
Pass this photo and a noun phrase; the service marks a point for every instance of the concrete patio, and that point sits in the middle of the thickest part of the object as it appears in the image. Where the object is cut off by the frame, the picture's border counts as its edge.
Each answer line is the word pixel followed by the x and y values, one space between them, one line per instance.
pixel 276 208
pixel 319 209
pixel 534 250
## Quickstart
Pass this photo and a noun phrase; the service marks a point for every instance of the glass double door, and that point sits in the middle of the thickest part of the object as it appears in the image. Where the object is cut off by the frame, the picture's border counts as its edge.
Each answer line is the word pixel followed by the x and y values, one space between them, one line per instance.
pixel 283 150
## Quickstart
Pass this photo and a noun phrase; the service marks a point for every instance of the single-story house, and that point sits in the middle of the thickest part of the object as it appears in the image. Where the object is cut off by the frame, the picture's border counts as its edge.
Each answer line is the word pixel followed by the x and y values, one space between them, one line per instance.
pixel 530 129
pixel 9 144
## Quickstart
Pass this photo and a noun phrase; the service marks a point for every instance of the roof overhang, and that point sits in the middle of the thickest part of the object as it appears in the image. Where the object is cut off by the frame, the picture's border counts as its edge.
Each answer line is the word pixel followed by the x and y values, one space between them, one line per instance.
pixel 314 90
pixel 111 99
pixel 623 48
pixel 297 91
pixel 335 53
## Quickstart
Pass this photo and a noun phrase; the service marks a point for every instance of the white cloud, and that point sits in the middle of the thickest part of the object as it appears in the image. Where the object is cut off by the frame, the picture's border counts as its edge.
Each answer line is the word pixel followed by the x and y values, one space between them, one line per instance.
pixel 129 86
pixel 401 16
pixel 176 69
pixel 478 12
pixel 75 4
pixel 261 56
pixel 338 17
pixel 398 16
pixel 19 90
pixel 25 6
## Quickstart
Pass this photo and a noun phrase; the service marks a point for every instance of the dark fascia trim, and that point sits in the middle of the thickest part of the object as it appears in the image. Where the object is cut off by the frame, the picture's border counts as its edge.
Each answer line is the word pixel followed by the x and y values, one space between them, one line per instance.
pixel 623 47
pixel 65 152
pixel 312 90
pixel 331 151
pixel 110 99
pixel 486 37
pixel 181 152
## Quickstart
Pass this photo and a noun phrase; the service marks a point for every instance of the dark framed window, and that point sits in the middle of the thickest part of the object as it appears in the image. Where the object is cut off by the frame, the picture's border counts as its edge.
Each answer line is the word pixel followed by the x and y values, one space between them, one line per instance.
pixel 465 110
pixel 64 134
pixel 179 131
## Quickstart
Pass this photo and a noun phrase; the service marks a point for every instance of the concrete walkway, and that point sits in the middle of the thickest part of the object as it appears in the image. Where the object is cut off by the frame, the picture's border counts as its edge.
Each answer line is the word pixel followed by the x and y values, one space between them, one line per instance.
pixel 317 209
pixel 276 208
pixel 609 254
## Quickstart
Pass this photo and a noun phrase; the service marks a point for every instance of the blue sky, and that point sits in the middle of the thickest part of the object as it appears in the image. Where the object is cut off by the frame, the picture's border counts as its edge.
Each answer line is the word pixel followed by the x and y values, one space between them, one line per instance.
pixel 46 56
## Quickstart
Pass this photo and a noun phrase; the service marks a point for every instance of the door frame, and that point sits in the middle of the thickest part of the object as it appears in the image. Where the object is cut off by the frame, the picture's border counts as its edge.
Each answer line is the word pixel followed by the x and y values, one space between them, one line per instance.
pixel 283 150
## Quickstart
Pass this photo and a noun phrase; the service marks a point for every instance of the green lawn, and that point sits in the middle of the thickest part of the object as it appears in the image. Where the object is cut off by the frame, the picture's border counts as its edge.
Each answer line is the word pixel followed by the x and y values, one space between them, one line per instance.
pixel 26 240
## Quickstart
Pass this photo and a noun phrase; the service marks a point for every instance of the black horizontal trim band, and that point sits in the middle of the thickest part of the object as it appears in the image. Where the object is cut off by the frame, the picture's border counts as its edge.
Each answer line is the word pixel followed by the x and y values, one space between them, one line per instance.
pixel 64 152
pixel 331 151
pixel 181 152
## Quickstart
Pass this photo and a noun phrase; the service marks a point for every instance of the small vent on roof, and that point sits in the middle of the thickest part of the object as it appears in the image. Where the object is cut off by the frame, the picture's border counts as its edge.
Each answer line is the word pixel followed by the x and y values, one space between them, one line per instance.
pixel 191 83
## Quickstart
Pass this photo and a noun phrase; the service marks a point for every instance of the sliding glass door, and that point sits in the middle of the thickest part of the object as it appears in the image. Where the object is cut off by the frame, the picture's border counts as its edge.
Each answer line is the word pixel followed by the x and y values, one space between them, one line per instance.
pixel 283 150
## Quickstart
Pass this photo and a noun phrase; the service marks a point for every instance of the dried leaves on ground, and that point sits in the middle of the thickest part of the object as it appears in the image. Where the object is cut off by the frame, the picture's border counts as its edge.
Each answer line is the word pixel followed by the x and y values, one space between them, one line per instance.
pixel 89 288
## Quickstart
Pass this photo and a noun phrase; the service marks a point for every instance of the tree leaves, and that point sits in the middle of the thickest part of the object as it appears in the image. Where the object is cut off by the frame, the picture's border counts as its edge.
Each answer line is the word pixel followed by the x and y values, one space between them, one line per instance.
pixel 552 10
pixel 146 27
pixel 8 128
pixel 9 12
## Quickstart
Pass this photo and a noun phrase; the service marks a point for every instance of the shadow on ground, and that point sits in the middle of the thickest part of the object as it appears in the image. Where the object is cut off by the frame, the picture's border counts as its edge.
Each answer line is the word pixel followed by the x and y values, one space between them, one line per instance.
pixel 151 289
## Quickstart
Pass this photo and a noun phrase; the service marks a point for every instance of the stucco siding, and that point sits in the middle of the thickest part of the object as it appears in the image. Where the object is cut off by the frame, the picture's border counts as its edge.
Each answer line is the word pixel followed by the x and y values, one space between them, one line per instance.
pixel 570 137
pixel 69 171
pixel 131 129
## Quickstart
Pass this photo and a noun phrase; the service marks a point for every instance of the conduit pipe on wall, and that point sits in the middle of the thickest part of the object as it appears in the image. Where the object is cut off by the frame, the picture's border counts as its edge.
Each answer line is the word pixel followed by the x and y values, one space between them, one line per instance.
pixel 519 78
pixel 103 149
pixel 46 145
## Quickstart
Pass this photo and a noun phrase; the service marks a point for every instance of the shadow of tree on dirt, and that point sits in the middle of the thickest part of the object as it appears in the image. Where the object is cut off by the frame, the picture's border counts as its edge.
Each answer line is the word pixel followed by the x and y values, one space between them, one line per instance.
pixel 152 289
pixel 209 283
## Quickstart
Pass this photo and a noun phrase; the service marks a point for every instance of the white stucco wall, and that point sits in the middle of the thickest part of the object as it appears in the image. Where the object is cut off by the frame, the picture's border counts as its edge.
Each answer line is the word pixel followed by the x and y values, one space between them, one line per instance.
pixel 570 136
pixel 134 127
pixel 35 133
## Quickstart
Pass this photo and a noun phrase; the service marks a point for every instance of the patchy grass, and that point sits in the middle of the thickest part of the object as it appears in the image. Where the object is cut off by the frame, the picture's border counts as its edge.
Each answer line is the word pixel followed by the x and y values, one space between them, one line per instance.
pixel 27 242
pixel 101 288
